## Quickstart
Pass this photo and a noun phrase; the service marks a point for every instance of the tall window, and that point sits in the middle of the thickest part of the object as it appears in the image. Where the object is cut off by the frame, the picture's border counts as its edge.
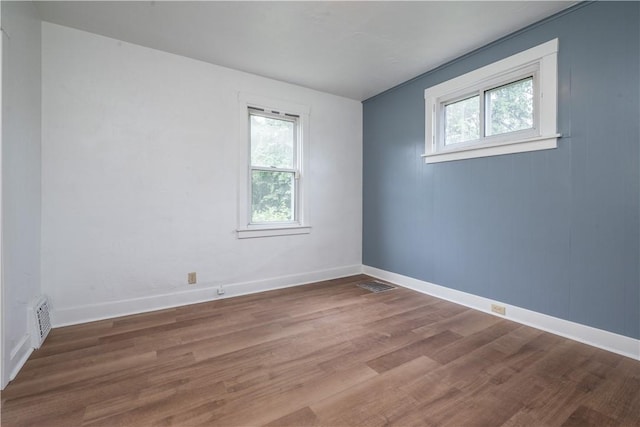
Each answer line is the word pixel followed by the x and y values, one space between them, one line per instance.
pixel 505 107
pixel 274 166
pixel 274 144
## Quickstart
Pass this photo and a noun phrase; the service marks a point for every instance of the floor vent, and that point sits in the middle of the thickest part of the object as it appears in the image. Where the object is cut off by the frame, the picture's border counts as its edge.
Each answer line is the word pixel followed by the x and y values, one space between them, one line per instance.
pixel 375 287
pixel 41 322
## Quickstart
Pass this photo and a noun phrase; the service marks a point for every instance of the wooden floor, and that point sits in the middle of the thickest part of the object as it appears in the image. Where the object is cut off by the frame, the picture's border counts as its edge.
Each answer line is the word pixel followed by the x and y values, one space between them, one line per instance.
pixel 328 354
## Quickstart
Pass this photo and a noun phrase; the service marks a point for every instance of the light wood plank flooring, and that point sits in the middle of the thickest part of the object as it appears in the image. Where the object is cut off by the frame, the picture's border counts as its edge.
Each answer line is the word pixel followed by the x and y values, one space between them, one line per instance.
pixel 327 354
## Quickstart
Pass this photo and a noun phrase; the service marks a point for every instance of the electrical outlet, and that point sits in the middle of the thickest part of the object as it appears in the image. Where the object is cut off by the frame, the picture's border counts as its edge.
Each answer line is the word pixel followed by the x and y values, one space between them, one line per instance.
pixel 499 309
pixel 220 290
pixel 191 278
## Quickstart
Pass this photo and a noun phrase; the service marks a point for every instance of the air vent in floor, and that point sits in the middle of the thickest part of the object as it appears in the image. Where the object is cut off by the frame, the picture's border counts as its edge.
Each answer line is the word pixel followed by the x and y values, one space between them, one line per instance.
pixel 375 287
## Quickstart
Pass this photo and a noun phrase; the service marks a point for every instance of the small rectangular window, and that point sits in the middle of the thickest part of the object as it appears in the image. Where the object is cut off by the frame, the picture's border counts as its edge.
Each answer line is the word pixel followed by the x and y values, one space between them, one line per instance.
pixel 506 107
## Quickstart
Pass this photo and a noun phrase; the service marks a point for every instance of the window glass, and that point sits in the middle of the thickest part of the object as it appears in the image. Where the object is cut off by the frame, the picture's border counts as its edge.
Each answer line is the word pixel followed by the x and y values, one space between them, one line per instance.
pixel 272 142
pixel 462 121
pixel 509 108
pixel 272 196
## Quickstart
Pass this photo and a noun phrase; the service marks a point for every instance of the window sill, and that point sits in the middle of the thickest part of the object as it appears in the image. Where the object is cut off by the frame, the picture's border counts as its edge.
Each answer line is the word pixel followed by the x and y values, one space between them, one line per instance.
pixel 495 149
pixel 250 233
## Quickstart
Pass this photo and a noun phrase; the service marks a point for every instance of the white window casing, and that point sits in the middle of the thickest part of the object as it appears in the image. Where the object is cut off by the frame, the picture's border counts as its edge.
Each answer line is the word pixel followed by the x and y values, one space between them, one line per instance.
pixel 300 222
pixel 539 63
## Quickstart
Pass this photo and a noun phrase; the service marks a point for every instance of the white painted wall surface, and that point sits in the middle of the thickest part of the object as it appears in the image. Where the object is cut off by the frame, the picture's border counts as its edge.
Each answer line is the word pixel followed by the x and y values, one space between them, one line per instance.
pixel 139 181
pixel 20 178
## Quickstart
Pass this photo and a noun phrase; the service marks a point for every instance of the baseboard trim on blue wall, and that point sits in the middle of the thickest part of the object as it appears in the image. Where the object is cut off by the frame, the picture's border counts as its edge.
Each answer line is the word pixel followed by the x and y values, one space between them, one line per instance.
pixel 605 340
pixel 204 293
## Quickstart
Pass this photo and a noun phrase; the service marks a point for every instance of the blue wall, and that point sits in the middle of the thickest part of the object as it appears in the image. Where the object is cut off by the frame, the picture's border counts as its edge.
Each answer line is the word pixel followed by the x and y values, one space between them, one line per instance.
pixel 554 231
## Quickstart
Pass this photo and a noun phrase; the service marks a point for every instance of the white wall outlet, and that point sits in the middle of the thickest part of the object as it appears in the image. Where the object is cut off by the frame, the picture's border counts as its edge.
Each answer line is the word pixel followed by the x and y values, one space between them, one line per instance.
pixel 499 309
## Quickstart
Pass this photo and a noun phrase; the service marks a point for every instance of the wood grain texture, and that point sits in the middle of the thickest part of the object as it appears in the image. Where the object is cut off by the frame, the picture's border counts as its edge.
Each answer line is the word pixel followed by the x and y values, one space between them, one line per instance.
pixel 326 354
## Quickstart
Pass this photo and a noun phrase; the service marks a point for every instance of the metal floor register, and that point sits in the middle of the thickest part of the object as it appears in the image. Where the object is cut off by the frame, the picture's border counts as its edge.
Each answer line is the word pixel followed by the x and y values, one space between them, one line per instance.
pixel 376 287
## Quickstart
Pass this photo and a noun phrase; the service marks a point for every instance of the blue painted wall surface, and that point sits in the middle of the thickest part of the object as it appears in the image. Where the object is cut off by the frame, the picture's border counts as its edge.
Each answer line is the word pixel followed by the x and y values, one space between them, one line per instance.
pixel 555 231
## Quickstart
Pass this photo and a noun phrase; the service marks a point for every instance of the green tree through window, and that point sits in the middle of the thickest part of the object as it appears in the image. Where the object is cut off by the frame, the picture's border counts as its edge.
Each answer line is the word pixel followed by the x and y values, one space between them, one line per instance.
pixel 510 107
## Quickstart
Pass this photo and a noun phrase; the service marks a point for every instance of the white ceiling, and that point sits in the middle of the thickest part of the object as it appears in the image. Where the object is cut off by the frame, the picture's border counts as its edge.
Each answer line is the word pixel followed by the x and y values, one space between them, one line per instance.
pixel 354 49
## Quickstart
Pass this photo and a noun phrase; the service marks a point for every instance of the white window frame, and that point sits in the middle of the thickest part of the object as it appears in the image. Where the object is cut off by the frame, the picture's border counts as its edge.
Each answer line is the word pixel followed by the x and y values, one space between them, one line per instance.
pixel 273 108
pixel 539 62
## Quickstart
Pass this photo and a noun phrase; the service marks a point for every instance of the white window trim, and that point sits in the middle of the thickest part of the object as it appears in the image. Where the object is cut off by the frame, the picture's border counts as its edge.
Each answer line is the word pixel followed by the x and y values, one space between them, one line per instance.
pixel 540 60
pixel 301 225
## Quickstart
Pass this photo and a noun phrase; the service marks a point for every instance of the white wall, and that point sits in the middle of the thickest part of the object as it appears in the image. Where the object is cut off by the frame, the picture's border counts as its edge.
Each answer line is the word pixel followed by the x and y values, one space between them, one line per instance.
pixel 20 179
pixel 139 181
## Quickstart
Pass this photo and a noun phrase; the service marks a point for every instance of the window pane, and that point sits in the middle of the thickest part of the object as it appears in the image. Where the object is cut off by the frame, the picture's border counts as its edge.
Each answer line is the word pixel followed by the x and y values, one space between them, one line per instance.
pixel 272 196
pixel 462 121
pixel 510 107
pixel 271 142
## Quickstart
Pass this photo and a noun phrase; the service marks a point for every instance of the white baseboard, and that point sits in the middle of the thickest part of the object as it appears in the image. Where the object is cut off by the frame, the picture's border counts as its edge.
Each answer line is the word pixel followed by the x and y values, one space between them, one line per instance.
pixel 605 340
pixel 206 292
pixel 19 356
